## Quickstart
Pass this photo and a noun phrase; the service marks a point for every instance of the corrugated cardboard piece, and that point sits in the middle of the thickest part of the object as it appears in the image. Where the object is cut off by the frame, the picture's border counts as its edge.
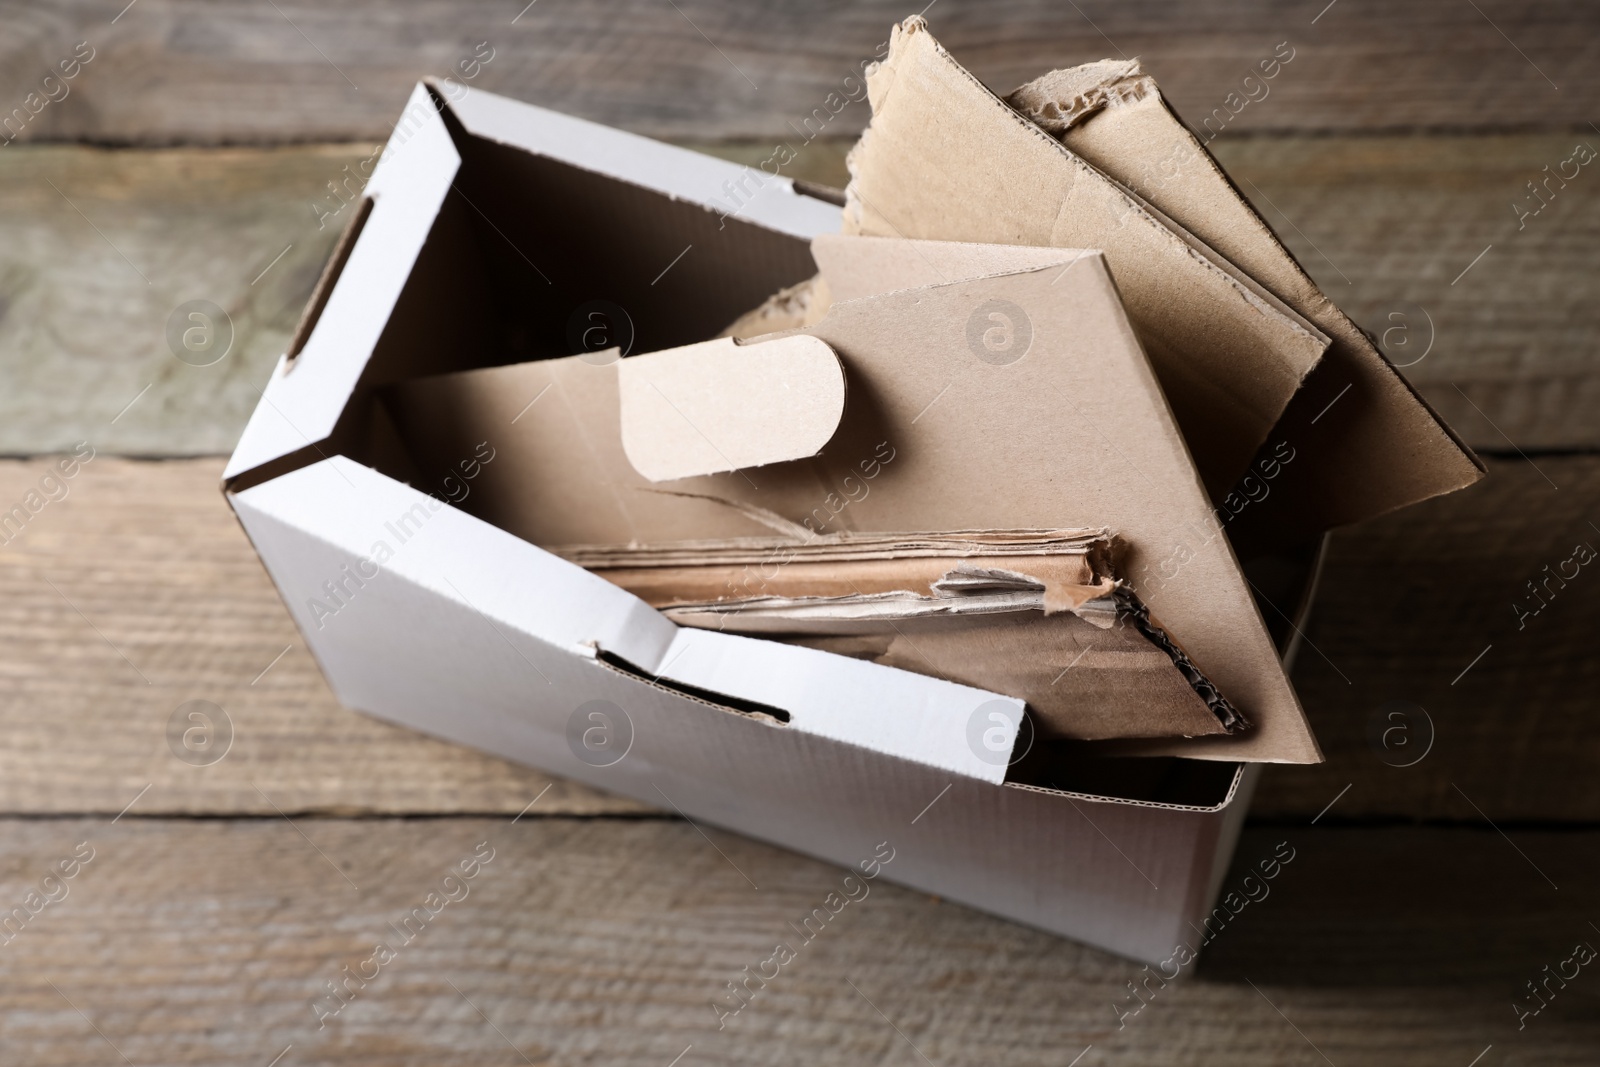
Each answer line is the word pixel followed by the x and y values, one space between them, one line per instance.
pixel 1379 447
pixel 965 606
pixel 945 158
pixel 866 580
pixel 1093 157
pixel 1068 429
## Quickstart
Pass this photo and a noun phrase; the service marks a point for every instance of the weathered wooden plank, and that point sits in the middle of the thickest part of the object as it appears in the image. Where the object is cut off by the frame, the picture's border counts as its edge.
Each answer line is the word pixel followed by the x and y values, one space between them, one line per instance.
pixel 1492 317
pixel 585 941
pixel 83 330
pixel 136 593
pixel 238 72
pixel 100 249
pixel 1421 608
pixel 164 577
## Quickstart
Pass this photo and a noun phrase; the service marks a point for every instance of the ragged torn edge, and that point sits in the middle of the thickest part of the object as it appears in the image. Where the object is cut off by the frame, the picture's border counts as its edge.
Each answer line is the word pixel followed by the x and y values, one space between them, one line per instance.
pixel 795 307
pixel 779 617
pixel 972 572
pixel 1131 608
pixel 827 615
pixel 1059 100
pixel 1118 602
pixel 1246 287
pixel 823 615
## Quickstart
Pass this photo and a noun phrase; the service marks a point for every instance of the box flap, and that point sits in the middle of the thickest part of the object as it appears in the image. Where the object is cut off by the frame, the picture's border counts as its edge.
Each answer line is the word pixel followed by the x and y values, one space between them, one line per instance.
pixel 723 406
pixel 732 191
pixel 1381 447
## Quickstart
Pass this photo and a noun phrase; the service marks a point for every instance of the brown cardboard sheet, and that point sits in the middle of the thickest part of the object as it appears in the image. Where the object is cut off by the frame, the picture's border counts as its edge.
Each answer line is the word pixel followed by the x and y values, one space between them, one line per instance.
pixel 944 158
pixel 1068 429
pixel 1081 682
pixel 1370 443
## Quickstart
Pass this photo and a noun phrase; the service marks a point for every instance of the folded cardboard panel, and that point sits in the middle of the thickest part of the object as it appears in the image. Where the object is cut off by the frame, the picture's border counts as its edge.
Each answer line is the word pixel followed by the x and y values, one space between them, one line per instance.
pixel 493 225
pixel 1371 442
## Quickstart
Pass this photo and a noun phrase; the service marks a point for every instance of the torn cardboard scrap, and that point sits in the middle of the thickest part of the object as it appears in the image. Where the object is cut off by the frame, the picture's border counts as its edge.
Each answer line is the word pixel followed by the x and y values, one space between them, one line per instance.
pixel 912 601
pixel 859 583
pixel 1059 100
pixel 944 158
pixel 1112 115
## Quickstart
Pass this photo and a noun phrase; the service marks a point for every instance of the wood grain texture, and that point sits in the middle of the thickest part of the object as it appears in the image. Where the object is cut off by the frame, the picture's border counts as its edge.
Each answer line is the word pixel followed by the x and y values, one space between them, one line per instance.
pixel 1393 228
pixel 170 71
pixel 137 593
pixel 1515 732
pixel 163 576
pixel 606 942
pixel 1506 352
pixel 98 250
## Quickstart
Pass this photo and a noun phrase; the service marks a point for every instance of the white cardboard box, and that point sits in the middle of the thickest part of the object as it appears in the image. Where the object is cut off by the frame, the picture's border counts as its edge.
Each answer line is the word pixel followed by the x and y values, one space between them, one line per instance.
pixel 426 616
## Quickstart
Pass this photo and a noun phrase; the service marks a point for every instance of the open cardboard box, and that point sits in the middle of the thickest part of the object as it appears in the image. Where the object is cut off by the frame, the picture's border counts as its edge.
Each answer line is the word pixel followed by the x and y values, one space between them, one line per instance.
pixel 489 232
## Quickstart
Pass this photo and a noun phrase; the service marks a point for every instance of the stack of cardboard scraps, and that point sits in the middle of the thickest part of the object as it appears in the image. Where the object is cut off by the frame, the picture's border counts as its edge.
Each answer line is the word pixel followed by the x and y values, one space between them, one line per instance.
pixel 1079 338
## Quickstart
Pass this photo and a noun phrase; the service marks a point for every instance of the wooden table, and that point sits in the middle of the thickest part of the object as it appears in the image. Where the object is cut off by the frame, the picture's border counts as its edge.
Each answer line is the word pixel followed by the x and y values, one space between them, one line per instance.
pixel 221 900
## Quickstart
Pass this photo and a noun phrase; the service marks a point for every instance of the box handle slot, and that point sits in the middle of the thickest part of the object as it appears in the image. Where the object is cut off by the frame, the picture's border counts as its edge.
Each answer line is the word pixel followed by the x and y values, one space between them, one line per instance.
pixel 329 278
pixel 720 701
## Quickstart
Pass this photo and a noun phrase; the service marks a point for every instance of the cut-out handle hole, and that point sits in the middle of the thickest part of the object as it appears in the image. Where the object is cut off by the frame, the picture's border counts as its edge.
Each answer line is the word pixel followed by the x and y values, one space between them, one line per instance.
pixel 329 278
pixel 722 701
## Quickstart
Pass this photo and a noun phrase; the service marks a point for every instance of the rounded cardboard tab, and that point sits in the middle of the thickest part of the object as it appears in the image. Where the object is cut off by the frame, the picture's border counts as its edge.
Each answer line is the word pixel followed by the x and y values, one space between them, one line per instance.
pixel 722 406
